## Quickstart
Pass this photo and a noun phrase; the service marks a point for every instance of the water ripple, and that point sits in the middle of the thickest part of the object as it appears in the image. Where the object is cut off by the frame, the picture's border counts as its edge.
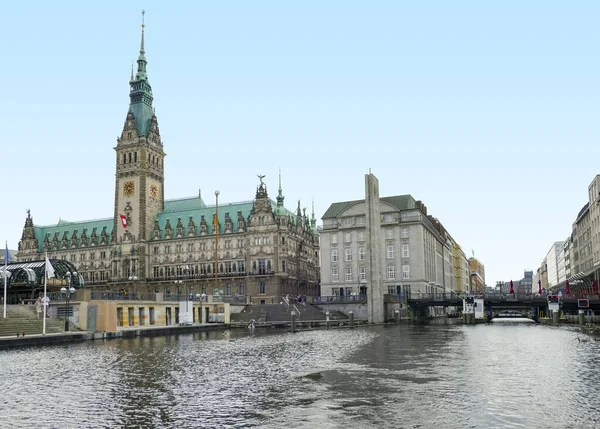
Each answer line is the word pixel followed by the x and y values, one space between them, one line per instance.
pixel 494 376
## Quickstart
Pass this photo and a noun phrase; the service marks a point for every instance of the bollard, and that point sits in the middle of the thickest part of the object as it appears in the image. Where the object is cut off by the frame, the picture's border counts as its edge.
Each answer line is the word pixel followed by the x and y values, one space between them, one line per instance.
pixel 581 318
pixel 555 317
pixel 397 316
pixel 351 318
pixel 327 319
pixel 293 321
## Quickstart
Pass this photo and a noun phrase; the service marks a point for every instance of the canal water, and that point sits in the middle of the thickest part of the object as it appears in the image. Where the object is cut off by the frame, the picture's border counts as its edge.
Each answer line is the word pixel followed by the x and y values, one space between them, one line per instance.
pixel 502 375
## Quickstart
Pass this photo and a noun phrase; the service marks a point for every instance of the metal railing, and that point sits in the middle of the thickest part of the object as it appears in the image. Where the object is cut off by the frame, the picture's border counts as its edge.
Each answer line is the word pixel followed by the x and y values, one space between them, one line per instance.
pixel 335 299
pixel 122 296
pixel 229 298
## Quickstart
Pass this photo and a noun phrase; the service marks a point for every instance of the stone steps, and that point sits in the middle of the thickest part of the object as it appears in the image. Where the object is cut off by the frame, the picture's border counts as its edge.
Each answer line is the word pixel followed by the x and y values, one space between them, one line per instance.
pixel 23 319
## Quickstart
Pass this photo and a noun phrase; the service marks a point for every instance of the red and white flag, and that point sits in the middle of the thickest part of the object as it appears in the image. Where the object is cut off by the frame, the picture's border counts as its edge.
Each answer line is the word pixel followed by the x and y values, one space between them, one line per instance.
pixel 123 220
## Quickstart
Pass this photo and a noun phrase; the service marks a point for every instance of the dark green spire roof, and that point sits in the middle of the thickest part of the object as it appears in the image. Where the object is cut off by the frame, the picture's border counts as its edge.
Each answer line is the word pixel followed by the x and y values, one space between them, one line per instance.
pixel 140 94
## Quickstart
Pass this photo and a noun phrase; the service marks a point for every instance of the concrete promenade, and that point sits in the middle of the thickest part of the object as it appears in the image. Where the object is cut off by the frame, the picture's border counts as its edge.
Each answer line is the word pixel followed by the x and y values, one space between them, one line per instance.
pixel 125 332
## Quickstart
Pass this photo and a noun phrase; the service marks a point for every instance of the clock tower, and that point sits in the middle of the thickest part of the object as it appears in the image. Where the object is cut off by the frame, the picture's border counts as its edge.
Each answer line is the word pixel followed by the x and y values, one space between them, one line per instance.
pixel 139 180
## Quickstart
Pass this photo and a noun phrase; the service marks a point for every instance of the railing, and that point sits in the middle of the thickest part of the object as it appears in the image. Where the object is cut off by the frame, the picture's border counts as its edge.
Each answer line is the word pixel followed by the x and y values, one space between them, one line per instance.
pixel 122 296
pixel 432 296
pixel 337 299
pixel 229 298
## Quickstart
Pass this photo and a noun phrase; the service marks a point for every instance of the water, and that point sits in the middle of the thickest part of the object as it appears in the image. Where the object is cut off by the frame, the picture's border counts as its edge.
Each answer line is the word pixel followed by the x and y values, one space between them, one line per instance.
pixel 504 375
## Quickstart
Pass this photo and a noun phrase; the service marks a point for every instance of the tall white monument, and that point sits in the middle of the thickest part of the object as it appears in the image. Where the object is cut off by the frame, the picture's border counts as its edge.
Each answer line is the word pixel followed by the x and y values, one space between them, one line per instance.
pixel 374 282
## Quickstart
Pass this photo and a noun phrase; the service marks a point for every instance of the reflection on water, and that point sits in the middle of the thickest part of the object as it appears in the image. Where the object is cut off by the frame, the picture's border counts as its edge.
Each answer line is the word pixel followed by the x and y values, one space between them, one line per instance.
pixel 501 375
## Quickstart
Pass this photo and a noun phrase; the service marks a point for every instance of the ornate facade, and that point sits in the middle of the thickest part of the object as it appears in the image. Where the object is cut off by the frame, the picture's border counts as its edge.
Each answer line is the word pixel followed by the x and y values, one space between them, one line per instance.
pixel 255 248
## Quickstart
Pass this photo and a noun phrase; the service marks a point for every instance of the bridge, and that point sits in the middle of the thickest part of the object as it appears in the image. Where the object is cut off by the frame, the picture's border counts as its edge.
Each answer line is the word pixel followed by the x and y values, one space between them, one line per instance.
pixel 532 305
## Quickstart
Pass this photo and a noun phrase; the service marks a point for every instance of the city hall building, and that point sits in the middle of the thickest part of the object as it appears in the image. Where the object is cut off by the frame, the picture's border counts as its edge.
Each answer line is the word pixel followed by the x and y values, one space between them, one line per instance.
pixel 255 249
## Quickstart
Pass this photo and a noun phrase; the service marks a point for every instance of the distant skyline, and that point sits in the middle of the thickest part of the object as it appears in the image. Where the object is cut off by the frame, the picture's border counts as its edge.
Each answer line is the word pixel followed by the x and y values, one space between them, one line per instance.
pixel 487 112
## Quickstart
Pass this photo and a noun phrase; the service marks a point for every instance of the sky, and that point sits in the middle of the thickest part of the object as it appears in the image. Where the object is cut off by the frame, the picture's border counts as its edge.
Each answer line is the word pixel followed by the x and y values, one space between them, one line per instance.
pixel 485 111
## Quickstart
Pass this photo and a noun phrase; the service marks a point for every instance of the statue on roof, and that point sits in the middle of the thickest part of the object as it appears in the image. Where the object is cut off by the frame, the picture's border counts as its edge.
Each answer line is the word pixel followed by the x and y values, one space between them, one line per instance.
pixel 261 177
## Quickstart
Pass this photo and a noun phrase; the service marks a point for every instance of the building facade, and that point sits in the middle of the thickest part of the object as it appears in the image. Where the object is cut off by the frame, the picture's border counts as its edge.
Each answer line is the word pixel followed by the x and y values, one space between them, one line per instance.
pixel 418 254
pixel 553 263
pixel 256 248
pixel 477 273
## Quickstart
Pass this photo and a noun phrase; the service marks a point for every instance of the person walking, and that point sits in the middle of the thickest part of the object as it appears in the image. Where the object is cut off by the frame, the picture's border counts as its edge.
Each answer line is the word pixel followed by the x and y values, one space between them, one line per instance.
pixel 38 306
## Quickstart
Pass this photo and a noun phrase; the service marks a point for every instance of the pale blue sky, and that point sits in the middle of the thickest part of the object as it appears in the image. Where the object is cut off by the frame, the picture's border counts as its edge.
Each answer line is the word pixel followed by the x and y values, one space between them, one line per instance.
pixel 485 111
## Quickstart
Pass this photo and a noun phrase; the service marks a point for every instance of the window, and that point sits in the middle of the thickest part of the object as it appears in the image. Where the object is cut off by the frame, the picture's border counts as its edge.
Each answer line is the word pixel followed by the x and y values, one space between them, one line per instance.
pixel 406 271
pixel 390 251
pixel 103 255
pixel 283 266
pixel 334 255
pixel 348 221
pixel 334 274
pixel 405 251
pixel 155 250
pixel 334 239
pixel 391 272
pixel 389 234
pixel 347 254
pixel 388 218
pixel 404 233
pixel 262 266
pixel 241 289
pixel 261 288
pixel 361 236
pixel 362 274
pixel 242 266
pixel 360 220
pixel 348 274
pixel 347 238
pixel 361 254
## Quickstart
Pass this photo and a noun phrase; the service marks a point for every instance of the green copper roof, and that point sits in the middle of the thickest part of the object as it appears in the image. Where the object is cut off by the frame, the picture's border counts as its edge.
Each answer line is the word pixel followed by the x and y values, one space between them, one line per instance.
pixel 69 227
pixel 401 202
pixel 176 209
pixel 140 94
pixel 182 204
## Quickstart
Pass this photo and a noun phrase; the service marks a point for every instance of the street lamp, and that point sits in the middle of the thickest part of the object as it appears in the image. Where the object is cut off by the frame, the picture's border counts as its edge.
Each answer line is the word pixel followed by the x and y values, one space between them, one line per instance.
pixel 216 226
pixel 67 292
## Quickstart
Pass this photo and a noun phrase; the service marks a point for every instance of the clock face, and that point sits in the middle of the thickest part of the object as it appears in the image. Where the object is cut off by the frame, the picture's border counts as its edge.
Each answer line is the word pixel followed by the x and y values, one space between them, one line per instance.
pixel 128 188
pixel 154 191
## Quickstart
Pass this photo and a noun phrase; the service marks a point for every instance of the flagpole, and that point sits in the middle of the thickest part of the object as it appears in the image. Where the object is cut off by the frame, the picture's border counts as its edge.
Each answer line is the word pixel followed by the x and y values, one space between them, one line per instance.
pixel 44 301
pixel 5 276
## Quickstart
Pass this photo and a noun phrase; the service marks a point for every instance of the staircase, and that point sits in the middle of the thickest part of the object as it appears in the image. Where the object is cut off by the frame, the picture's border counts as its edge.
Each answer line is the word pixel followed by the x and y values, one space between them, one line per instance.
pixel 23 319
pixel 281 313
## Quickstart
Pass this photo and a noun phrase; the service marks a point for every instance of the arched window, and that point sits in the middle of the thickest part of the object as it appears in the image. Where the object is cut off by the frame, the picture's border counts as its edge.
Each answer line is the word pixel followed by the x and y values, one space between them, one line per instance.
pixel 124 158
pixel 130 157
pixel 134 156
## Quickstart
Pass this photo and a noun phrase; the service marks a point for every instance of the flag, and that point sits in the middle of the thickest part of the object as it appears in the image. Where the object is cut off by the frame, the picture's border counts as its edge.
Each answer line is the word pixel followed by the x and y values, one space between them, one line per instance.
pixel 49 268
pixel 123 220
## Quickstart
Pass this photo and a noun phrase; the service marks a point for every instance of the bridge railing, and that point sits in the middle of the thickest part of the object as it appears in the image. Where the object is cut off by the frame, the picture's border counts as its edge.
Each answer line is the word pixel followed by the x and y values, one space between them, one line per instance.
pixel 434 296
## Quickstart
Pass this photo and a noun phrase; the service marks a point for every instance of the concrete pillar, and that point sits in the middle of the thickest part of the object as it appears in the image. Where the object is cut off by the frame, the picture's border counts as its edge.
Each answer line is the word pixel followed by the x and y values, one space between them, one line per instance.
pixel 351 318
pixel 581 318
pixel 376 310
pixel 555 317
pixel 397 316
pixel 293 321
pixel 327 319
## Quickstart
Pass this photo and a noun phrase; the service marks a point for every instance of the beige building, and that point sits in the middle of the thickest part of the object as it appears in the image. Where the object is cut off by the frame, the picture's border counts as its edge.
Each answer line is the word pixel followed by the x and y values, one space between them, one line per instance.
pixel 255 249
pixel 418 254
pixel 477 270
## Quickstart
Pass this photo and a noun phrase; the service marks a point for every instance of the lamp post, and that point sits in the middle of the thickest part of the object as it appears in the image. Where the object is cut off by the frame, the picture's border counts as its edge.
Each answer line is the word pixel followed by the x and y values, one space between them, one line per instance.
pixel 216 226
pixel 67 292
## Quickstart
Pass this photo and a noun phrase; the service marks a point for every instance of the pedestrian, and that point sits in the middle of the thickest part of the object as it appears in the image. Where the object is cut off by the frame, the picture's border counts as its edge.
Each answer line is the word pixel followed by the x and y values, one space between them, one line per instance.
pixel 46 301
pixel 38 306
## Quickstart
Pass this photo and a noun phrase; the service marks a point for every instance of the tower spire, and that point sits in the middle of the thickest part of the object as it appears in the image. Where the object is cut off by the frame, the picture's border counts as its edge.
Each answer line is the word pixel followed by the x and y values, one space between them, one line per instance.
pixel 140 94
pixel 142 52
pixel 280 196
pixel 313 219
